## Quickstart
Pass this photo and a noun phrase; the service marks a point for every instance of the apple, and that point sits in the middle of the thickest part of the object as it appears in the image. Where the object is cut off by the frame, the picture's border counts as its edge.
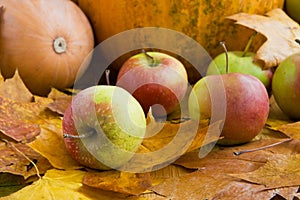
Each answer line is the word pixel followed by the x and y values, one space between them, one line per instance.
pixel 292 8
pixel 247 105
pixel 240 62
pixel 103 127
pixel 156 80
pixel 286 86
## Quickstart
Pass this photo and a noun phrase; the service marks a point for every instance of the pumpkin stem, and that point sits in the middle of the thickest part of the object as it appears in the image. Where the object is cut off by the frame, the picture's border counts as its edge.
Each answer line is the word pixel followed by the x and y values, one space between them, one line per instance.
pixel 60 45
pixel 153 63
pixel 226 54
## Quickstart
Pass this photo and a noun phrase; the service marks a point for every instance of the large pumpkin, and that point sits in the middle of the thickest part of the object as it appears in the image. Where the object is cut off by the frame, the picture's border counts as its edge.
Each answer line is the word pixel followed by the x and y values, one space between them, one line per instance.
pixel 203 20
pixel 45 40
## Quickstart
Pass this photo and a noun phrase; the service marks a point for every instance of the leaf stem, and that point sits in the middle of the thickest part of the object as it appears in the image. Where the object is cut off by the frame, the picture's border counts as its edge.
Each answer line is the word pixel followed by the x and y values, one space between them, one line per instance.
pixel 26 157
pixel 237 153
pixel 249 44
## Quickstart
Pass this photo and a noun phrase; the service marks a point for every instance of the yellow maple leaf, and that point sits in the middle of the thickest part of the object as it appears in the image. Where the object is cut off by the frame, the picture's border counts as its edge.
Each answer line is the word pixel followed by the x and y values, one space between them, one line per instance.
pixel 60 185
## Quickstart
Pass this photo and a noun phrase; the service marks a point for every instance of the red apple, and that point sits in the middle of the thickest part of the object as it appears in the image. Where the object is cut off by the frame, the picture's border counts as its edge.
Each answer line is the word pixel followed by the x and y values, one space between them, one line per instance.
pixel 103 127
pixel 286 86
pixel 247 105
pixel 154 78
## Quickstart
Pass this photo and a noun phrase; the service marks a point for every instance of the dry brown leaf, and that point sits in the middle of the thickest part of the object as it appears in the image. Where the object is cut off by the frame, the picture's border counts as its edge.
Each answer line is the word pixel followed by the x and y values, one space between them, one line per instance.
pixel 121 182
pixel 279 29
pixel 280 171
pixel 209 185
pixel 166 141
pixel 13 161
pixel 15 89
pixel 224 156
pixel 19 130
pixel 60 101
pixel 292 130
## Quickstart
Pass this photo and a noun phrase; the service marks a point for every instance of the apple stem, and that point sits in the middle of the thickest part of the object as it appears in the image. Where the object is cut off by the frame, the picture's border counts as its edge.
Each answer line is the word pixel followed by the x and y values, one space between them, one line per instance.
pixel 107 72
pixel 226 54
pixel 149 58
pixel 298 41
pixel 249 44
pixel 237 153
pixel 87 134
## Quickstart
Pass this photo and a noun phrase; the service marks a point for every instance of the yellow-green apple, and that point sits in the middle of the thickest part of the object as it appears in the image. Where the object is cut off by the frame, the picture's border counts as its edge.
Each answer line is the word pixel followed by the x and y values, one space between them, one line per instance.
pixel 286 86
pixel 292 8
pixel 247 105
pixel 103 127
pixel 154 78
pixel 242 63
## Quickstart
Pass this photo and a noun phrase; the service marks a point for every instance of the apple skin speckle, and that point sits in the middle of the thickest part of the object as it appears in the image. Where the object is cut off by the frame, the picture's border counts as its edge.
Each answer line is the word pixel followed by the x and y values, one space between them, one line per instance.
pixel 296 60
pixel 103 127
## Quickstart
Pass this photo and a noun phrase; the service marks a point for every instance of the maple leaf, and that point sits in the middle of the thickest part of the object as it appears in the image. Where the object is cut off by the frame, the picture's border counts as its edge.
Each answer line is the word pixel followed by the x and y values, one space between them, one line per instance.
pixel 291 129
pixel 59 184
pixel 15 89
pixel 282 33
pixel 50 144
pixel 166 141
pixel 279 171
pixel 203 184
pixel 122 182
pixel 60 101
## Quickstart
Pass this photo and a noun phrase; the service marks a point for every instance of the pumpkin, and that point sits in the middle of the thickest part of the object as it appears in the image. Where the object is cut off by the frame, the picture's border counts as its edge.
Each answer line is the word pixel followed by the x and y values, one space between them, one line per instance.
pixel 46 41
pixel 202 20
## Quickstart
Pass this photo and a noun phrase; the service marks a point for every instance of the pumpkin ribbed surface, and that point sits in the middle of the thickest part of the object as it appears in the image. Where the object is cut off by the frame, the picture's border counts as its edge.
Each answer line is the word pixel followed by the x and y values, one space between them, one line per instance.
pixel 45 40
pixel 203 20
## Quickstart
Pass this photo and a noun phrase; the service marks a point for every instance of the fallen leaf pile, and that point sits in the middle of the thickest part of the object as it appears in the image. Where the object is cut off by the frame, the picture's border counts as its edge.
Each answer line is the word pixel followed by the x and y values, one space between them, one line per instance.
pixel 34 163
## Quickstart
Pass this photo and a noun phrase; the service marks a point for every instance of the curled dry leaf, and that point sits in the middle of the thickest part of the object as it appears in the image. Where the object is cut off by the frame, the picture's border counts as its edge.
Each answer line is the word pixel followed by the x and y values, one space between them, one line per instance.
pixel 281 31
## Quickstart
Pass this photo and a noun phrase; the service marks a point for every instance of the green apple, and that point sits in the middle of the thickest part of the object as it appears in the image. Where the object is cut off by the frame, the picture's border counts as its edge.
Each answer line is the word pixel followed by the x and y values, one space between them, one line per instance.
pixel 103 127
pixel 286 86
pixel 240 62
pixel 247 105
pixel 292 8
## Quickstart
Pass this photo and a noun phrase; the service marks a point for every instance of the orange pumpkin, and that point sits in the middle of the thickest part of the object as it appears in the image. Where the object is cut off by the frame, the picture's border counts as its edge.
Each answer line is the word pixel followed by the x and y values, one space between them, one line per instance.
pixel 202 20
pixel 45 40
